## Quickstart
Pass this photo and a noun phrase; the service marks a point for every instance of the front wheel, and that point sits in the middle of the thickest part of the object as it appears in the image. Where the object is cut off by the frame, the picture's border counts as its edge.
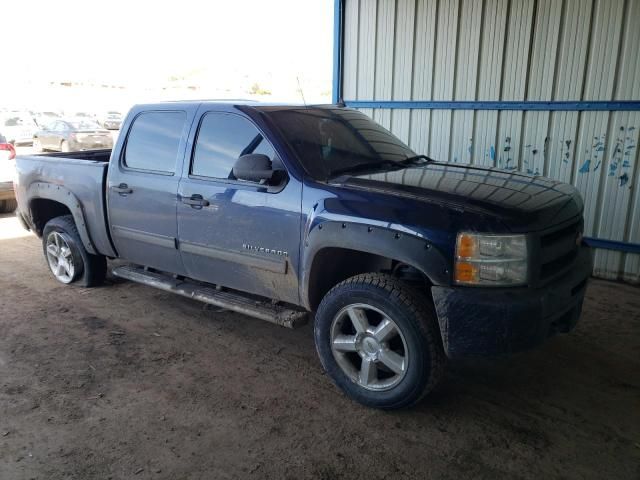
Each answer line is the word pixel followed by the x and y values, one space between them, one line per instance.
pixel 66 256
pixel 379 342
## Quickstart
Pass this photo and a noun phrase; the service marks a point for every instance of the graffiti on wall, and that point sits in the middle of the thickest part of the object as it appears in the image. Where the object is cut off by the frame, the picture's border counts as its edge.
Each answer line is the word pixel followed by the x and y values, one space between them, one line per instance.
pixel 593 159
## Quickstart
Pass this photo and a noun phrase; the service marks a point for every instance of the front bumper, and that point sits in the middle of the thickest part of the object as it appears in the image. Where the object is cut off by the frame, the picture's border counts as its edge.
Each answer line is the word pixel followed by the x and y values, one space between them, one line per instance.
pixel 491 321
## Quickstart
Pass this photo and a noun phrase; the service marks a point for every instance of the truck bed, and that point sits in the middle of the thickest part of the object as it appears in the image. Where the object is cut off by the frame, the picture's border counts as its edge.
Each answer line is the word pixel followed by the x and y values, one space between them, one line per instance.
pixel 82 173
pixel 88 155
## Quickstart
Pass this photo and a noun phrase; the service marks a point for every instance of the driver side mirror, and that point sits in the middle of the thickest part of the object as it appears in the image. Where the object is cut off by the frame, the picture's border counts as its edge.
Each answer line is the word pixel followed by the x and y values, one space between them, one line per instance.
pixel 254 167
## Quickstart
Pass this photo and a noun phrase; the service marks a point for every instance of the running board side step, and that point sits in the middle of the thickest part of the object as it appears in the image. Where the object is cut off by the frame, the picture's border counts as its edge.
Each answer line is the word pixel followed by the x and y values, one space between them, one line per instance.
pixel 236 302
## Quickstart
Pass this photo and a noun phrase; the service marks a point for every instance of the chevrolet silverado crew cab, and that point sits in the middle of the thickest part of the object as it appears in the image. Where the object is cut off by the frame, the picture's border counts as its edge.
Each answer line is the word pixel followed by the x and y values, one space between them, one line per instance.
pixel 290 212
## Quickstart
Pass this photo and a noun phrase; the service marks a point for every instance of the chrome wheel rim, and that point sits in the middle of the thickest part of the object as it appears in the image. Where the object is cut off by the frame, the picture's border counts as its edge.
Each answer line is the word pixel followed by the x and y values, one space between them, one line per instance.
pixel 60 258
pixel 369 347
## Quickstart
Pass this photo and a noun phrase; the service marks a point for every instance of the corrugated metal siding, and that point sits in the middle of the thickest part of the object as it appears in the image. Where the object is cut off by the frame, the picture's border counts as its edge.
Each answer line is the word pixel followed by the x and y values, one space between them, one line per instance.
pixel 521 50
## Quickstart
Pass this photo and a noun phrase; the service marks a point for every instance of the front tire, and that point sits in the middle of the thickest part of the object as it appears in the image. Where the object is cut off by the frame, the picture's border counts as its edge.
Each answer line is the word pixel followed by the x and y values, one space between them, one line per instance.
pixel 66 256
pixel 379 342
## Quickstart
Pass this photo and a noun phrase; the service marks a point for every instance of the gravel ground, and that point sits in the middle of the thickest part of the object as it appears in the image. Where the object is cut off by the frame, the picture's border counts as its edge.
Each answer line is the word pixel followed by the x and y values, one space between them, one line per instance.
pixel 125 381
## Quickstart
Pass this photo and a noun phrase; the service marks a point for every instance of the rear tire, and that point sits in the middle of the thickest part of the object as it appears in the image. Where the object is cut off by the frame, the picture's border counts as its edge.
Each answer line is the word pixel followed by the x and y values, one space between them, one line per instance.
pixel 378 340
pixel 66 256
pixel 8 206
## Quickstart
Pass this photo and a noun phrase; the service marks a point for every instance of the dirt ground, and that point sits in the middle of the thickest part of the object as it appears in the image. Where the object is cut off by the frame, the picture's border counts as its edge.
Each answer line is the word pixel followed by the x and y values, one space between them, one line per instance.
pixel 125 381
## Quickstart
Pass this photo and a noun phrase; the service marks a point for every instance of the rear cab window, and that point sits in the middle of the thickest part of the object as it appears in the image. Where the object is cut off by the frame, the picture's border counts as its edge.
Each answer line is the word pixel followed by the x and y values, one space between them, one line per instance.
pixel 153 141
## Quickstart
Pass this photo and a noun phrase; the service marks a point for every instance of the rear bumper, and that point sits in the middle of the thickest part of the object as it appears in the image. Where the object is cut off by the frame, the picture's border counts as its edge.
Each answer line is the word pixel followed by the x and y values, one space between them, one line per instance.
pixel 77 145
pixel 487 321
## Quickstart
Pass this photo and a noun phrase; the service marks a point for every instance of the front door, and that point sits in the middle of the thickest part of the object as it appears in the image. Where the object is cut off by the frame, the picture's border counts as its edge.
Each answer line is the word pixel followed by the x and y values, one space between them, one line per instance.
pixel 234 233
pixel 142 190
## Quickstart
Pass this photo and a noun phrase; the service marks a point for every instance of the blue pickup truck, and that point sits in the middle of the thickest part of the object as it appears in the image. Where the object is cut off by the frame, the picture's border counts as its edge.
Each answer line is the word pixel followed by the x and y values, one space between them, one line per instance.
pixel 287 213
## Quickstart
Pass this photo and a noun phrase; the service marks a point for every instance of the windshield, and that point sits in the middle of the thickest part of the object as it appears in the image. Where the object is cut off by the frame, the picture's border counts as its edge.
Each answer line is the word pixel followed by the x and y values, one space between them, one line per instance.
pixel 84 125
pixel 333 141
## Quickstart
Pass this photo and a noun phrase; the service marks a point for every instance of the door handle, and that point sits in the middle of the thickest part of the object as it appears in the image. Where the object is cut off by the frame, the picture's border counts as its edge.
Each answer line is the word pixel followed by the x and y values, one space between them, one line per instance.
pixel 195 201
pixel 122 189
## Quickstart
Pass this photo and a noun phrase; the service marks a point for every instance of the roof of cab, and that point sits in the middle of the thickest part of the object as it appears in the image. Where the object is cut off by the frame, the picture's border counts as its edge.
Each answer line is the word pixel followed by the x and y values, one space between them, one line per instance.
pixel 230 103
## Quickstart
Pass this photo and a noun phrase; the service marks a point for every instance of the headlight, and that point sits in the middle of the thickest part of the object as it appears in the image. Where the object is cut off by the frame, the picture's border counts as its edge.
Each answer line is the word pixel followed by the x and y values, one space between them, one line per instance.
pixel 490 260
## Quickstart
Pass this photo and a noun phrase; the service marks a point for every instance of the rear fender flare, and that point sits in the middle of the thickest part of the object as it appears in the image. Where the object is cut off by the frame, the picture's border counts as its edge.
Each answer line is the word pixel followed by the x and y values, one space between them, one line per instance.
pixel 62 195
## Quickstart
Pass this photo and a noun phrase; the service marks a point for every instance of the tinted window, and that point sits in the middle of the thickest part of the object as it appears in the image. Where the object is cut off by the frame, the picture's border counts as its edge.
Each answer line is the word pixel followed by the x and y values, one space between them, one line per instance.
pixel 223 138
pixel 331 141
pixel 153 141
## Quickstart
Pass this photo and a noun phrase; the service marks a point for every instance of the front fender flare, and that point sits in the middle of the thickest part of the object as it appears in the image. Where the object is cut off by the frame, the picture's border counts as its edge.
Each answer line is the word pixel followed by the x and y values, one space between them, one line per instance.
pixel 66 197
pixel 417 252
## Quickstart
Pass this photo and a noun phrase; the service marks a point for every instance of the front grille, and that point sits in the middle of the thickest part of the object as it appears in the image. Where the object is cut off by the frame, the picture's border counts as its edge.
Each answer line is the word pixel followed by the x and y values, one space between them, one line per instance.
pixel 558 250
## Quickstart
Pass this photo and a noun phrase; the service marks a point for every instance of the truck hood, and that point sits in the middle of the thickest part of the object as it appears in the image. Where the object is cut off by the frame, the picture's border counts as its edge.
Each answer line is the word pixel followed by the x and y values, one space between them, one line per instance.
pixel 522 202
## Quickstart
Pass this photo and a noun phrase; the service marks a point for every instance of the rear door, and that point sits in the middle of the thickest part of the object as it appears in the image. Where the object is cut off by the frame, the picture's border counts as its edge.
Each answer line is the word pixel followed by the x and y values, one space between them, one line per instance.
pixel 142 187
pixel 238 234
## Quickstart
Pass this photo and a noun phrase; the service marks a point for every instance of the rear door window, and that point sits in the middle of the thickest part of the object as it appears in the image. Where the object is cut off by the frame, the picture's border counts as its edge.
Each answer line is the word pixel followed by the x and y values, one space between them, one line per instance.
pixel 222 138
pixel 153 141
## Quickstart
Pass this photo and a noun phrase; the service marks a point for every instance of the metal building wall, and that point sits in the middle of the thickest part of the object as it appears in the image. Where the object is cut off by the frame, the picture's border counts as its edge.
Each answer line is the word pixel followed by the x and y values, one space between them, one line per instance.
pixel 470 80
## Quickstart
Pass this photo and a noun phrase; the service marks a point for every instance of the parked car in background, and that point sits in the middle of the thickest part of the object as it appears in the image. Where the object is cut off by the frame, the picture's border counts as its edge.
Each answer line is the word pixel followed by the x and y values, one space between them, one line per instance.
pixel 44 118
pixel 82 115
pixel 18 128
pixel 7 170
pixel 72 135
pixel 112 120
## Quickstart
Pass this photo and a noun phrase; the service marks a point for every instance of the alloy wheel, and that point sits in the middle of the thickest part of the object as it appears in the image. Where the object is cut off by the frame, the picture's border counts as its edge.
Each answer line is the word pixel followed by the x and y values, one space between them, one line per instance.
pixel 369 347
pixel 60 258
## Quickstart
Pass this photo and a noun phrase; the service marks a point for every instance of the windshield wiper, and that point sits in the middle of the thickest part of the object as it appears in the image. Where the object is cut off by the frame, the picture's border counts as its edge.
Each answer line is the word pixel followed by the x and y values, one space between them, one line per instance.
pixel 363 167
pixel 415 158
pixel 384 164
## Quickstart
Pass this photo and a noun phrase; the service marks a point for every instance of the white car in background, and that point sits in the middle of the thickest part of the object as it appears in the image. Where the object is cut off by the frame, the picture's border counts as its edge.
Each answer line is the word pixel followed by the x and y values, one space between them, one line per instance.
pixel 18 128
pixel 112 120
pixel 7 173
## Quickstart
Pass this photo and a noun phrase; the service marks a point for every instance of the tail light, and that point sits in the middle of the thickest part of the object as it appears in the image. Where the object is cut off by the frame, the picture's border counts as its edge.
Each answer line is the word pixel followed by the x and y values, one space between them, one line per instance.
pixel 8 147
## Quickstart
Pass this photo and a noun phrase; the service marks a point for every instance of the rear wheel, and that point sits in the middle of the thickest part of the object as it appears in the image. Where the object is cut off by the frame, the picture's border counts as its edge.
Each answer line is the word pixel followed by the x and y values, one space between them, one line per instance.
pixel 379 342
pixel 64 146
pixel 66 256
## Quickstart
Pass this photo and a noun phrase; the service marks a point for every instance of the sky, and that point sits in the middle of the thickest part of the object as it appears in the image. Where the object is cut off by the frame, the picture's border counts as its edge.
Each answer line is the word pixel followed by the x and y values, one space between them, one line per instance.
pixel 219 45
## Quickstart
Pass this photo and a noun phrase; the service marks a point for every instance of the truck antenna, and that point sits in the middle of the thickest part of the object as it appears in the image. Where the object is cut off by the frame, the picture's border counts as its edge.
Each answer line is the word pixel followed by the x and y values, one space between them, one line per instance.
pixel 301 92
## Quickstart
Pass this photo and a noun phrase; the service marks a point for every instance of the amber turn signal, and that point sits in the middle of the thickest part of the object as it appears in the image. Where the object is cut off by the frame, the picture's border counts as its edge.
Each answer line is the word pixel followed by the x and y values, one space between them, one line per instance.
pixel 466 272
pixel 467 246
